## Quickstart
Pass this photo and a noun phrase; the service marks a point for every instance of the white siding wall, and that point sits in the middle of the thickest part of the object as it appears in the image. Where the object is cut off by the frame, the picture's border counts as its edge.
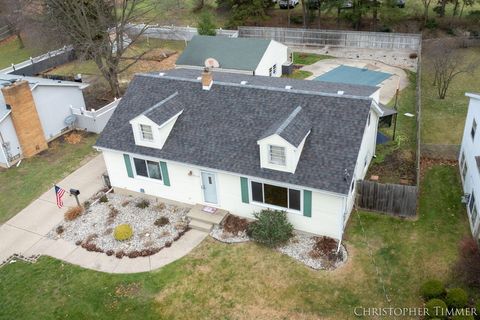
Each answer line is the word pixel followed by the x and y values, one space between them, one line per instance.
pixel 276 53
pixel 160 134
pixel 7 130
pixel 292 154
pixel 185 187
pixel 471 149
pixel 53 106
pixel 367 151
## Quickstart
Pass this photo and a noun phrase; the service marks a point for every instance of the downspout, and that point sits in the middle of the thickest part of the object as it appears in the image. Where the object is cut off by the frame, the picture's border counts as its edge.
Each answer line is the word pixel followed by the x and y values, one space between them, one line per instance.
pixel 342 222
pixel 3 151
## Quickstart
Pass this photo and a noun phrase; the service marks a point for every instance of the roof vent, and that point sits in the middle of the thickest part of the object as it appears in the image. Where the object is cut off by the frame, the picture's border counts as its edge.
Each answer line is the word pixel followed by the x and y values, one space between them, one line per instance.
pixel 161 74
pixel 340 92
pixel 288 87
pixel 244 82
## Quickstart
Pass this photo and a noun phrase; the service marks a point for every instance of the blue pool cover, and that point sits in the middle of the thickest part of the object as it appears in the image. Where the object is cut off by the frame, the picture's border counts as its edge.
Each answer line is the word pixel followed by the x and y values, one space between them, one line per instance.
pixel 352 75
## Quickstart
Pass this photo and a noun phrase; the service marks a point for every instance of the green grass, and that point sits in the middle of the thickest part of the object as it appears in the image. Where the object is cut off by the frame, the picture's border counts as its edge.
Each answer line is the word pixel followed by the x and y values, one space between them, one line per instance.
pixel 19 186
pixel 247 281
pixel 395 160
pixel 10 52
pixel 303 58
pixel 443 120
pixel 298 74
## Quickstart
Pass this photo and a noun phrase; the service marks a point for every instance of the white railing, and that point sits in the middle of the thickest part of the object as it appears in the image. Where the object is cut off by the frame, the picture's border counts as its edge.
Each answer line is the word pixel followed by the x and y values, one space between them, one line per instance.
pixel 94 120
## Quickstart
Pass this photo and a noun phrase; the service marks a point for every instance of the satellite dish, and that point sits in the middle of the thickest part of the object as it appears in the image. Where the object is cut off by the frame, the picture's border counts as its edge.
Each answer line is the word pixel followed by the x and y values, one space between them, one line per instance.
pixel 70 120
pixel 212 63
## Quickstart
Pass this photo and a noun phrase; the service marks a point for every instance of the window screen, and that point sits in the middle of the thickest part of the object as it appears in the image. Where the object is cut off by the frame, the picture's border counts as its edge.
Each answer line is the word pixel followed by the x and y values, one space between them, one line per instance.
pixel 140 167
pixel 294 199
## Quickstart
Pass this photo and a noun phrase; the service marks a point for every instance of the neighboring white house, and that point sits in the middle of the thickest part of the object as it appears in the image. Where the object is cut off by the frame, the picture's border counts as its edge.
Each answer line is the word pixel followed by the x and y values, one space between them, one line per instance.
pixel 470 163
pixel 51 105
pixel 226 141
pixel 258 57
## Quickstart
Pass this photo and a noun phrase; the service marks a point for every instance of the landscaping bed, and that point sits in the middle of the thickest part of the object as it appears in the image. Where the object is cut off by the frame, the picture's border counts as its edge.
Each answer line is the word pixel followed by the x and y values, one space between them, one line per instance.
pixel 123 225
pixel 319 253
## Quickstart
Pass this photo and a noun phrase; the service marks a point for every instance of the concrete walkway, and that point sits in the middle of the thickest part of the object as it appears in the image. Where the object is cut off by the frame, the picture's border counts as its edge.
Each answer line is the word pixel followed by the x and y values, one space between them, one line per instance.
pixel 26 232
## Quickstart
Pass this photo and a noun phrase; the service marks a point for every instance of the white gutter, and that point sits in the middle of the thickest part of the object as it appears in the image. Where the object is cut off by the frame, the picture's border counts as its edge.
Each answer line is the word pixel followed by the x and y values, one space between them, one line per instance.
pixel 5 116
pixel 3 151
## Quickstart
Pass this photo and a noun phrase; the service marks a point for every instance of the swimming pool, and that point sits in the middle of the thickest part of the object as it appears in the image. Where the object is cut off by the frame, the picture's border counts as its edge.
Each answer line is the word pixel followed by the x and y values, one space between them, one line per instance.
pixel 352 75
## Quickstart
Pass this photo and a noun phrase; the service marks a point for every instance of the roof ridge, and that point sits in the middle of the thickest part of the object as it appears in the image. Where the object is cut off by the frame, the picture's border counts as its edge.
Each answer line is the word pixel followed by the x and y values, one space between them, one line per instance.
pixel 325 94
pixel 158 104
pixel 288 120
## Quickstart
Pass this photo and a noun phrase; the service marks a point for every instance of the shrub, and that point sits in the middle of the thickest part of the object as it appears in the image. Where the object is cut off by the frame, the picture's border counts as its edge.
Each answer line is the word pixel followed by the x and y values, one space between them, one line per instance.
pixel 60 229
pixel 463 316
pixel 103 199
pixel 73 213
pixel 123 232
pixel 413 55
pixel 162 221
pixel 323 247
pixel 467 267
pixel 477 308
pixel 86 204
pixel 436 308
pixel 456 298
pixel 432 289
pixel 431 24
pixel 142 204
pixel 206 26
pixel 234 225
pixel 271 227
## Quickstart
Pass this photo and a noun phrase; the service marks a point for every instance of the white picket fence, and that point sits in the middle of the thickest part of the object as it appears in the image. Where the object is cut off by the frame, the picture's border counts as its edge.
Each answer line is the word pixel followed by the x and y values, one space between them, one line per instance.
pixel 94 120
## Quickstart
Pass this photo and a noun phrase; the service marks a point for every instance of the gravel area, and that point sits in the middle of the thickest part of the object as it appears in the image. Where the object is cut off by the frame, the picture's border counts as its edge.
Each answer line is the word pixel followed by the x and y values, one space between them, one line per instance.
pixel 94 228
pixel 219 234
pixel 299 248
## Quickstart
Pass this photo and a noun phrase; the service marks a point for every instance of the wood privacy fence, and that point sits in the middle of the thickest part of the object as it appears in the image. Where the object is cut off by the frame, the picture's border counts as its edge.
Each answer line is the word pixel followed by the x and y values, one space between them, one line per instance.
pixel 336 38
pixel 394 199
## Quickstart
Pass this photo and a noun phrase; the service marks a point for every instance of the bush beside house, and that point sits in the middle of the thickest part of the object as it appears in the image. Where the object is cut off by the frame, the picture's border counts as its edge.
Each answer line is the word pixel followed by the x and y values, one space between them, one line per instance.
pixel 270 228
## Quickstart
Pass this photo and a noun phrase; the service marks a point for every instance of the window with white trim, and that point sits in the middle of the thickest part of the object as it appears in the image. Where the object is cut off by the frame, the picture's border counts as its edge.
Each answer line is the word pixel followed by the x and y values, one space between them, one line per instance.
pixel 276 155
pixel 275 195
pixel 147 168
pixel 274 69
pixel 146 132
pixel 463 166
pixel 472 207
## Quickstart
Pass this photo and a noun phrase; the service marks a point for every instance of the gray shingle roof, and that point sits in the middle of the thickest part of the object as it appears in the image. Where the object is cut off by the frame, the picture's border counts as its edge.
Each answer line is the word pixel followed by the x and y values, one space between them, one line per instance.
pixel 219 129
pixel 293 129
pixel 231 53
pixel 273 82
pixel 164 110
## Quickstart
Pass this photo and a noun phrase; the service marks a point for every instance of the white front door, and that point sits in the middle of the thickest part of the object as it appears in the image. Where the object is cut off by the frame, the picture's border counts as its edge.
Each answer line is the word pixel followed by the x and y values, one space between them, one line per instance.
pixel 209 187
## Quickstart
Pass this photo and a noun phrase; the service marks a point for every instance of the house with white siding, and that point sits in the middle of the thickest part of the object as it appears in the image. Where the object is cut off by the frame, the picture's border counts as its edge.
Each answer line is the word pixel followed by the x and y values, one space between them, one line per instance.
pixel 258 57
pixel 242 144
pixel 469 161
pixel 33 112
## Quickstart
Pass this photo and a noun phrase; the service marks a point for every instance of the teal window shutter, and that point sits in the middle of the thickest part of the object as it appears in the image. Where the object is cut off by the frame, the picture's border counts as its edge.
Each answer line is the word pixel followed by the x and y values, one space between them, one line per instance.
pixel 128 165
pixel 165 178
pixel 307 203
pixel 244 188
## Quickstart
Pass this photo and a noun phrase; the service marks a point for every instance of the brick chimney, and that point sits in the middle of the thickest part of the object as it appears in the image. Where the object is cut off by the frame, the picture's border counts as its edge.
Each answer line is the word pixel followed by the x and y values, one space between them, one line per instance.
pixel 25 118
pixel 207 79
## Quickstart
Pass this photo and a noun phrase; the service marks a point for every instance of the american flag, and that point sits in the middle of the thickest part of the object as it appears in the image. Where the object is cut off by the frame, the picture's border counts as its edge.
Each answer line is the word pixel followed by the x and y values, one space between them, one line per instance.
pixel 59 192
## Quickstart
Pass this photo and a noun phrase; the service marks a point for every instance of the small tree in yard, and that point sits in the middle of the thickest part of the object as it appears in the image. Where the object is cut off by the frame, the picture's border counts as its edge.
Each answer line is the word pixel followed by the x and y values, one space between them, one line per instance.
pixel 98 30
pixel 467 268
pixel 206 26
pixel 448 61
pixel 271 228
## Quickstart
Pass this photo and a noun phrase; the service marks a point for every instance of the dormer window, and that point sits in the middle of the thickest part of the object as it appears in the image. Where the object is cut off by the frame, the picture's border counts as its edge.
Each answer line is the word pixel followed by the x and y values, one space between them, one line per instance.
pixel 276 155
pixel 146 131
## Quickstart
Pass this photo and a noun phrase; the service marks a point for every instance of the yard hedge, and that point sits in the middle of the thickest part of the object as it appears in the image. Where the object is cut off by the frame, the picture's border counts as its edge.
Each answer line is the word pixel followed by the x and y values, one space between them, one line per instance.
pixel 456 298
pixel 432 289
pixel 435 307
pixel 270 228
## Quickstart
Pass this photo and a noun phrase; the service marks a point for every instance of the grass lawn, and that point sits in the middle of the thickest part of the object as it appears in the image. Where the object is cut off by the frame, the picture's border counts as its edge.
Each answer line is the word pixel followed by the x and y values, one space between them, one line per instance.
pixel 20 186
pixel 10 52
pixel 443 120
pixel 298 74
pixel 247 281
pixel 303 58
pixel 396 159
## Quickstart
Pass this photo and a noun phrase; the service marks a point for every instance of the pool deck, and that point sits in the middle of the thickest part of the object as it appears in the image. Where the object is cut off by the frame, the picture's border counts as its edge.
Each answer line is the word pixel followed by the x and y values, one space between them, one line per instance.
pixel 388 87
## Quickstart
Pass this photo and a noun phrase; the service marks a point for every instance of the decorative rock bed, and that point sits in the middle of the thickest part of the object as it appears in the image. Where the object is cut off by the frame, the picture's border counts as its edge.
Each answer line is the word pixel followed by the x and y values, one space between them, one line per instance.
pixel 155 225
pixel 318 253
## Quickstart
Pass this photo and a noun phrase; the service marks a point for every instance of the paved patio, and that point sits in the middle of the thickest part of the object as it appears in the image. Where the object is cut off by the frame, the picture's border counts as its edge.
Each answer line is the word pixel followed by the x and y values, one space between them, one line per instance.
pixel 26 232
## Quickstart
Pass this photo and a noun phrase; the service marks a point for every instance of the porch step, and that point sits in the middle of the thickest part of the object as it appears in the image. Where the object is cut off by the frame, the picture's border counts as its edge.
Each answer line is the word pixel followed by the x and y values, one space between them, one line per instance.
pixel 200 225
pixel 197 213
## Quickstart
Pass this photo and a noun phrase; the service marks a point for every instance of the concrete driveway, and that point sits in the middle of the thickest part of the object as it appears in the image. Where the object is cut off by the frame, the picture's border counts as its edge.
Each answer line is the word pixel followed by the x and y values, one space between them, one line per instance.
pixel 26 232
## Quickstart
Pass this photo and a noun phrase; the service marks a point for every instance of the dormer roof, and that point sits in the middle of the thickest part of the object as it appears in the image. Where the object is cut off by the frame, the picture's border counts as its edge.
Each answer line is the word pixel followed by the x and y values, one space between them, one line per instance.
pixel 164 110
pixel 293 128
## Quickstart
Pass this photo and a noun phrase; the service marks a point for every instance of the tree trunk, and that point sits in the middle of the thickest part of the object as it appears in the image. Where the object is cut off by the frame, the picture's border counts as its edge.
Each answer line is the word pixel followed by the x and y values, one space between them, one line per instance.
pixel 455 8
pixel 319 15
pixel 425 15
pixel 288 12
pixel 375 15
pixel 304 13
pixel 20 39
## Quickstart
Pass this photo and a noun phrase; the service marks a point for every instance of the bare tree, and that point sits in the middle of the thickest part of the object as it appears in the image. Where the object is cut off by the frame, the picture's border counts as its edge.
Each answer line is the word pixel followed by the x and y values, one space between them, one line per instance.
pixel 426 7
pixel 448 61
pixel 12 11
pixel 102 30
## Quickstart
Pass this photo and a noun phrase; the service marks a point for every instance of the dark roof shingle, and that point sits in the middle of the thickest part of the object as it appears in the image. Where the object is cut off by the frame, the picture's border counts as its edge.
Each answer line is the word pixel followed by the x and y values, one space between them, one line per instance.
pixel 293 129
pixel 219 129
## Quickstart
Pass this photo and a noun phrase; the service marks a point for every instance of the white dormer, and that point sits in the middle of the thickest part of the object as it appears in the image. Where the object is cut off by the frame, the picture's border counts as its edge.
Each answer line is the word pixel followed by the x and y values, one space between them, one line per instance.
pixel 152 127
pixel 282 144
